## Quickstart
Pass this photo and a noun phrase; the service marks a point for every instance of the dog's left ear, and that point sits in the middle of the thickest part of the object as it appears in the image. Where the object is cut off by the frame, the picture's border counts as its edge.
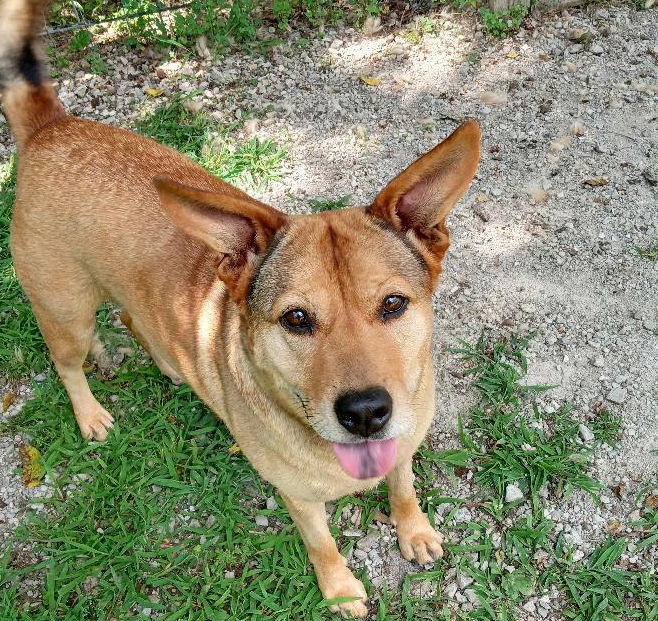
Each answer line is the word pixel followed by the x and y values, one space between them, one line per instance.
pixel 235 226
pixel 420 197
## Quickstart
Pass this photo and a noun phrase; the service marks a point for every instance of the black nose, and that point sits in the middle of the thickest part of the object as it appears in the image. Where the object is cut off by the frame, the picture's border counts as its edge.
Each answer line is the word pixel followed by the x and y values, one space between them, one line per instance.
pixel 364 412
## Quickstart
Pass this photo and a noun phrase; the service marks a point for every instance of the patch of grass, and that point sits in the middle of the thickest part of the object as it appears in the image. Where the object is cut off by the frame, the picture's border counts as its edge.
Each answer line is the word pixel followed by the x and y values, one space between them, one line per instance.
pixel 512 443
pixel 157 517
pixel 648 252
pixel 503 23
pixel 601 589
pixel 80 40
pixel 195 134
pixel 422 26
pixel 21 346
pixel 224 22
pixel 96 63
pixel 321 204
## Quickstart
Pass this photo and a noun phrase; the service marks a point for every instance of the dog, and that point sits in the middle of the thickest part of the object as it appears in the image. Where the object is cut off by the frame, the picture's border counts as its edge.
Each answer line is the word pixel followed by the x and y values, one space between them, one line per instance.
pixel 309 336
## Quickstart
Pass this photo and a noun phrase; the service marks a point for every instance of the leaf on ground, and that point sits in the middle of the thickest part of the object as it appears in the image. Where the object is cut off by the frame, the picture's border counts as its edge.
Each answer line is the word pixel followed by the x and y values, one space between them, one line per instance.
pixel 33 469
pixel 513 54
pixel 652 501
pixel 596 181
pixel 493 98
pixel 153 92
pixel 370 80
pixel 8 399
pixel 234 449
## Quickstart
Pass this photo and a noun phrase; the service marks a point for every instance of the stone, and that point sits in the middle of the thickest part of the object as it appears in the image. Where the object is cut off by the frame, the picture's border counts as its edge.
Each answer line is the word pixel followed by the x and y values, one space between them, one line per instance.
pixel 512 493
pixel 271 503
pixel 261 520
pixel 617 395
pixel 596 49
pixel 585 433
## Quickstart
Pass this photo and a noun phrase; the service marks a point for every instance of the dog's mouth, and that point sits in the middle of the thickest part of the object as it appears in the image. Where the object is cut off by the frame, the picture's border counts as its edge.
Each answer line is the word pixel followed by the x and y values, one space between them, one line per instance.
pixel 367 459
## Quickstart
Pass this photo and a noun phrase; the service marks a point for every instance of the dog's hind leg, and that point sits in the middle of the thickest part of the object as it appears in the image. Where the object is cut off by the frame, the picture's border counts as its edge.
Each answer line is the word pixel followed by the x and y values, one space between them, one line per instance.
pixel 162 364
pixel 67 319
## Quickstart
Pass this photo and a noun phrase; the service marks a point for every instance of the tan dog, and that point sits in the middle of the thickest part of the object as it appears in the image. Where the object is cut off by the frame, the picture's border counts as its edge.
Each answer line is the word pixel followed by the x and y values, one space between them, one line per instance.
pixel 309 336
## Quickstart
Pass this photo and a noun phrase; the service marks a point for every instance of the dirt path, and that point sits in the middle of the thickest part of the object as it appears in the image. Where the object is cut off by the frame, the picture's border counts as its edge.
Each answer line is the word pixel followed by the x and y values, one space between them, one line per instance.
pixel 547 238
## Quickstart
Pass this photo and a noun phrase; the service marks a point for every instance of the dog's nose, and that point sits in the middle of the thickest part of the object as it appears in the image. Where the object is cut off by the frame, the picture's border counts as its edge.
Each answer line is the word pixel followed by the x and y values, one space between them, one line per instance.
pixel 363 412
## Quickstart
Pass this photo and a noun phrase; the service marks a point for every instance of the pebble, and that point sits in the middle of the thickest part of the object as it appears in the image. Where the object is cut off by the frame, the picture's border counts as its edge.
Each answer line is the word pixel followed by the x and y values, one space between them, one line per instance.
pixel 585 433
pixel 271 503
pixel 513 493
pixel 261 520
pixel 598 361
pixel 617 395
pixel 596 49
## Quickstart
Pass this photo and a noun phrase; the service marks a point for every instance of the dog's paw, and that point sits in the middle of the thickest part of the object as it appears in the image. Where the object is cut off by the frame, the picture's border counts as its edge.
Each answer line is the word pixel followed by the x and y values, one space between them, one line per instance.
pixel 418 540
pixel 94 423
pixel 340 582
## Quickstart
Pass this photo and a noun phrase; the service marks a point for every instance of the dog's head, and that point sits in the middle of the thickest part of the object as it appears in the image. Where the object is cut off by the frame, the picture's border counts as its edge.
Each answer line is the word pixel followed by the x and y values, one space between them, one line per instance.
pixel 336 307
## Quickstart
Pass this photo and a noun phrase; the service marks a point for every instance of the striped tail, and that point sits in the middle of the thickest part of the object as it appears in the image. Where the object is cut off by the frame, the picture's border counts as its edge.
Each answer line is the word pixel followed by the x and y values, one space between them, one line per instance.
pixel 28 98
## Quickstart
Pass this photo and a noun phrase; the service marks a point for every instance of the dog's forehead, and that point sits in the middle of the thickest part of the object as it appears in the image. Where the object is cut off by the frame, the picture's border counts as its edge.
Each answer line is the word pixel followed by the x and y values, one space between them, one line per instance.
pixel 328 251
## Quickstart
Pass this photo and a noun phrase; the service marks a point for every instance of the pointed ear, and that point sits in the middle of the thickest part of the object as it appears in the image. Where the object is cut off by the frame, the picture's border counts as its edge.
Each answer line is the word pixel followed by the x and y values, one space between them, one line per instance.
pixel 420 197
pixel 236 227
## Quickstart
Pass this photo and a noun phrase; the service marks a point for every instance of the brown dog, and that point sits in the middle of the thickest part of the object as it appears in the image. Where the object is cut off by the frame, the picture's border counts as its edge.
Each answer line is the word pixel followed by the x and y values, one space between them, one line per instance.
pixel 309 336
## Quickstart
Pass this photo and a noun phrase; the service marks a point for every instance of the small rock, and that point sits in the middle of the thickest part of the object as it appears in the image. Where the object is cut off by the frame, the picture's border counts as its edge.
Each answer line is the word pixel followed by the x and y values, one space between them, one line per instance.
pixel 651 175
pixel 597 361
pixel 512 493
pixel 261 520
pixel 41 377
pixel 367 542
pixel 271 503
pixel 528 308
pixel 472 596
pixel 576 48
pixel 647 324
pixel 585 433
pixel 451 590
pixel 352 532
pixel 463 581
pixel 617 395
pixel 250 127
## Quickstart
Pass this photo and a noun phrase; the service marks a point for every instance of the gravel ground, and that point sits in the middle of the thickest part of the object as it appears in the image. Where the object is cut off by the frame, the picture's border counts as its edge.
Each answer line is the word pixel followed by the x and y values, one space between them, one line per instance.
pixel 545 240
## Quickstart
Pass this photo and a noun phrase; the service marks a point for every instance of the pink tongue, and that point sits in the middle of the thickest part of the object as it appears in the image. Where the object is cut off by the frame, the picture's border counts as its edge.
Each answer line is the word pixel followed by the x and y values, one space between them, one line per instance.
pixel 366 459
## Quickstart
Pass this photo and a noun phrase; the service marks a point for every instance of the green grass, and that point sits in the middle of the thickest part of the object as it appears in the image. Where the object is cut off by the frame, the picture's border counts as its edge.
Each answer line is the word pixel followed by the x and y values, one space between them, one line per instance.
pixel 319 204
pixel 648 252
pixel 196 135
pixel 501 24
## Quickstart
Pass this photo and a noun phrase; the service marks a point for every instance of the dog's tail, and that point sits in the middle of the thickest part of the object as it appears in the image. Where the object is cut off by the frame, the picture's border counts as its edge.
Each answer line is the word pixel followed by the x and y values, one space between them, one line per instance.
pixel 29 100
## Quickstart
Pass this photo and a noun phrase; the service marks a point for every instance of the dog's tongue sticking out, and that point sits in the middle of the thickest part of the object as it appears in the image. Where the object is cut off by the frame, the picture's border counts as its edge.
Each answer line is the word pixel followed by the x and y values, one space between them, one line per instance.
pixel 366 459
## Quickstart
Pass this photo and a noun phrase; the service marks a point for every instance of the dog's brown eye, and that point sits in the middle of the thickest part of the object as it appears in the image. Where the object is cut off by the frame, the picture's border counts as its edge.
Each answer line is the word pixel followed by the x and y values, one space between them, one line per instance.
pixel 393 305
pixel 296 320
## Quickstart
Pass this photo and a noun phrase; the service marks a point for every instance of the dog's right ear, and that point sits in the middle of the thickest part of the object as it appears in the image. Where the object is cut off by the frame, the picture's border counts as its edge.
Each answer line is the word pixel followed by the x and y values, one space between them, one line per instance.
pixel 238 228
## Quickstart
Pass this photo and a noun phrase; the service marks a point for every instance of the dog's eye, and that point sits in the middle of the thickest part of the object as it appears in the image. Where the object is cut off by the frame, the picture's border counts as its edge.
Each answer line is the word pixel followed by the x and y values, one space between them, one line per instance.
pixel 393 305
pixel 296 320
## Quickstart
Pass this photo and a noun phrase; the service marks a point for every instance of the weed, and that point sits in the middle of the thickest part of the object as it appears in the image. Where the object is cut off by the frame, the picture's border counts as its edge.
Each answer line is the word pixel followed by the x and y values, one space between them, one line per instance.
pixel 96 63
pixel 80 40
pixel 503 23
pixel 510 443
pixel 648 252
pixel 421 27
pixel 319 204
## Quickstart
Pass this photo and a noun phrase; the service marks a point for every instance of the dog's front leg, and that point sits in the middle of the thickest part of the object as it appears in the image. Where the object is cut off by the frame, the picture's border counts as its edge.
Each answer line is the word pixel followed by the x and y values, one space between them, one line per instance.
pixel 418 540
pixel 334 578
